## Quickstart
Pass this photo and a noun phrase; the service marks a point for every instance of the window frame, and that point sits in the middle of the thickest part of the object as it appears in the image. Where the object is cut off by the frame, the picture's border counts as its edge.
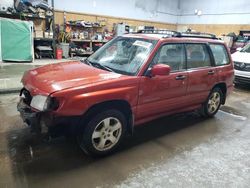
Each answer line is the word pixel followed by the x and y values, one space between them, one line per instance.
pixel 210 53
pixel 214 57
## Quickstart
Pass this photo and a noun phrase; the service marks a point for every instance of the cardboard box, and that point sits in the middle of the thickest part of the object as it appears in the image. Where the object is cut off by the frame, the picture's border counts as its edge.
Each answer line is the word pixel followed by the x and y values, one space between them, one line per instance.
pixel 48 35
pixel 228 40
pixel 39 24
pixel 38 34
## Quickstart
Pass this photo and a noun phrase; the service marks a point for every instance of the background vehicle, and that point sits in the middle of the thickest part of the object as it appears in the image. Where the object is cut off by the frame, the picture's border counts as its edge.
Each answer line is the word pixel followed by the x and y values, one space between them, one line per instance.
pixel 241 60
pixel 240 41
pixel 131 80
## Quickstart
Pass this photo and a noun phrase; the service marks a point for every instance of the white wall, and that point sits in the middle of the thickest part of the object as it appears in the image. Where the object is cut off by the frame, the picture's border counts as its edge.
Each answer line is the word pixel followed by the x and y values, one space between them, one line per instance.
pixel 167 11
pixel 152 10
pixel 215 12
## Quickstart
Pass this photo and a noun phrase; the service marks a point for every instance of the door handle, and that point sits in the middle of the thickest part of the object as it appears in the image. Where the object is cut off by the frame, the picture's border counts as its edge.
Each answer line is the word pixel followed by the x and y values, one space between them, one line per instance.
pixel 180 77
pixel 211 72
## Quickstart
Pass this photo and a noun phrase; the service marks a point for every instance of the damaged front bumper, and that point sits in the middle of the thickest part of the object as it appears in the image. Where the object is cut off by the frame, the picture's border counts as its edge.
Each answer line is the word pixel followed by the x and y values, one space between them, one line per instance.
pixel 46 122
pixel 34 120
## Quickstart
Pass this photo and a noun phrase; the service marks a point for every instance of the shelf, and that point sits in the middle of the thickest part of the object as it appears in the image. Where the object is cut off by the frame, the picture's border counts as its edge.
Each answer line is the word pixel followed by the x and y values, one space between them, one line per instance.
pixel 80 40
pixel 88 53
pixel 44 39
pixel 82 26
pixel 101 41
pixel 88 40
pixel 22 15
pixel 83 54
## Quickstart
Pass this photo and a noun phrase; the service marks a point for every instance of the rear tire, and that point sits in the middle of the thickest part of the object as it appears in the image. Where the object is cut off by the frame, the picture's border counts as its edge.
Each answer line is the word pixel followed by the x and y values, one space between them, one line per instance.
pixel 103 133
pixel 213 103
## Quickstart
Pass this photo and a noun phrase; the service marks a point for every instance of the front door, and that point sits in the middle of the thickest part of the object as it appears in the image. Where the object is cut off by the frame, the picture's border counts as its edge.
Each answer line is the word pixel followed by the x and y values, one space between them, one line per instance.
pixel 161 94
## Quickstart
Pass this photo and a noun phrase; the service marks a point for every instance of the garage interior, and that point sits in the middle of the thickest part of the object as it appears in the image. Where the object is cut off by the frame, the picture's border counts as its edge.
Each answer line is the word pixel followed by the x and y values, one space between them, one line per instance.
pixel 183 150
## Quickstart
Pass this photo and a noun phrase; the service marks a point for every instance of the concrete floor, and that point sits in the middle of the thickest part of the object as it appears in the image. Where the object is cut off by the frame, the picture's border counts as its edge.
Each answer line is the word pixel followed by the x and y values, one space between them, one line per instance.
pixel 177 151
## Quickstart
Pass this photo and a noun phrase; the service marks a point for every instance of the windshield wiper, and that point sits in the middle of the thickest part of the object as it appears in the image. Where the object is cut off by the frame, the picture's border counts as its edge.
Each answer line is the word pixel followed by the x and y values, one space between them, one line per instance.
pixel 108 68
pixel 86 61
pixel 98 65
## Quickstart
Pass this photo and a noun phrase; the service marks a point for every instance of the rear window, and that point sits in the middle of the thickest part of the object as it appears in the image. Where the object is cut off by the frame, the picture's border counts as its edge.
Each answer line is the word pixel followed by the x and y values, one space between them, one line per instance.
pixel 220 54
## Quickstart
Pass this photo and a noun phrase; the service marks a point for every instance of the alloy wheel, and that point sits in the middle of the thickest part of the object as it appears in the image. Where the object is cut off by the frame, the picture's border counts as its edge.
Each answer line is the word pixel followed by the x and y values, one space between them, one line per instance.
pixel 106 134
pixel 214 102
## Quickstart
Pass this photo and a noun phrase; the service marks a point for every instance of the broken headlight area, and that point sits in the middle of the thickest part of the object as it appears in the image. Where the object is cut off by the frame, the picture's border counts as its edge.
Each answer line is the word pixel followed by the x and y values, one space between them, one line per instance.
pixel 44 103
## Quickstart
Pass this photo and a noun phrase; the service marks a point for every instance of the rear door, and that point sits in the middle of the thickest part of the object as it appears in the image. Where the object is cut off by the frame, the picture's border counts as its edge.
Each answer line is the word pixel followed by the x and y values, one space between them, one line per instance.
pixel 201 72
pixel 161 94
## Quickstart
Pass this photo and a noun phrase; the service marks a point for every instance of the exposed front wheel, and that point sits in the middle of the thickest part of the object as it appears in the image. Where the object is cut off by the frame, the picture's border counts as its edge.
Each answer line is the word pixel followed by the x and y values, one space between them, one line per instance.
pixel 212 104
pixel 103 133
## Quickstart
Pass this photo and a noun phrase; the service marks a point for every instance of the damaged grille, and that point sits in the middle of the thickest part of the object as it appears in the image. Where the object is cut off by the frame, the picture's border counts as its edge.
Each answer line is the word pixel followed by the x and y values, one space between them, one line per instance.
pixel 26 96
pixel 242 66
pixel 241 79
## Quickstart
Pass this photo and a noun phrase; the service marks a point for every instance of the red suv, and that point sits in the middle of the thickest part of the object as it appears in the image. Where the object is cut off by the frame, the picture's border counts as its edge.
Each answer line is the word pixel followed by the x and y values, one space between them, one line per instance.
pixel 129 81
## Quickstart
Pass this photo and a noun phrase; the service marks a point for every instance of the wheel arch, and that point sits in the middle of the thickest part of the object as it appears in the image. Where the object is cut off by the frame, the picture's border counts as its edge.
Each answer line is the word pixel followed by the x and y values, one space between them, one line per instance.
pixel 223 88
pixel 121 105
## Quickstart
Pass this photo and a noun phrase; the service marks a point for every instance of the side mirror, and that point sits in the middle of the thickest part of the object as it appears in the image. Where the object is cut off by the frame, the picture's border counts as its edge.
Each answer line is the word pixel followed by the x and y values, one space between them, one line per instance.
pixel 160 70
pixel 238 49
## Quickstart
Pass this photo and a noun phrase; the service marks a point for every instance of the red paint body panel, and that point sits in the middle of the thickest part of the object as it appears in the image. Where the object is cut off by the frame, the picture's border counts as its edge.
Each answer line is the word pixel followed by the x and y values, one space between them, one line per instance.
pixel 78 86
pixel 76 101
pixel 200 84
pixel 55 77
pixel 161 94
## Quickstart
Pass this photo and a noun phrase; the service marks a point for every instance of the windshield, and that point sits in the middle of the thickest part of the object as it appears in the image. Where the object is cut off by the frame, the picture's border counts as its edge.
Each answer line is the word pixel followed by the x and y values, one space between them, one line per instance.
pixel 123 55
pixel 246 48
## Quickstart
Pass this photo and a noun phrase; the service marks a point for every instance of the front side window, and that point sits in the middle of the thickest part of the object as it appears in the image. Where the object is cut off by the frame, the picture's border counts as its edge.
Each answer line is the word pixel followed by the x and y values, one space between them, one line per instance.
pixel 220 54
pixel 172 55
pixel 197 56
pixel 124 55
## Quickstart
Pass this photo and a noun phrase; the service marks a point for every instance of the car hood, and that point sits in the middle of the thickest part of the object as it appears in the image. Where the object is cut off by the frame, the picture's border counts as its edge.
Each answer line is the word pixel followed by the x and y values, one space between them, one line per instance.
pixel 55 77
pixel 241 57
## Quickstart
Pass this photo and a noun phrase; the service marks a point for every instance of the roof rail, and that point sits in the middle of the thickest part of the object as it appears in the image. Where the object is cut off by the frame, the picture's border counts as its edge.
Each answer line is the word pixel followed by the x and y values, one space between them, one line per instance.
pixel 162 31
pixel 171 33
pixel 198 35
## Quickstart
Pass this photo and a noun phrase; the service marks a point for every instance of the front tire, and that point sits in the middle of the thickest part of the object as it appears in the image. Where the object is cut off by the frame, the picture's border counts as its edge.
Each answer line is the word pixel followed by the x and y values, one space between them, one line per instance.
pixel 213 103
pixel 103 133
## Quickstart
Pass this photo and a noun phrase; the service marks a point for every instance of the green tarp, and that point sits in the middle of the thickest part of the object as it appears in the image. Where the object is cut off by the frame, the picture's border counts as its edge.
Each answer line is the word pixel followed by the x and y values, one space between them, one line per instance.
pixel 16 40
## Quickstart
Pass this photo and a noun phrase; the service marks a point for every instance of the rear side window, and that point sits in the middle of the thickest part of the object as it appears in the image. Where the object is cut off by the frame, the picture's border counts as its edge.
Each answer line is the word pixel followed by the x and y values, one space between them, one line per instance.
pixel 197 56
pixel 220 54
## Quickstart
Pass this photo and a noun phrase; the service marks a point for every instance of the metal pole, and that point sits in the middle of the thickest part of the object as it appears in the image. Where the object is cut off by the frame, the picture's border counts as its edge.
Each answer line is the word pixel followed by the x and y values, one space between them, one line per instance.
pixel 53 28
